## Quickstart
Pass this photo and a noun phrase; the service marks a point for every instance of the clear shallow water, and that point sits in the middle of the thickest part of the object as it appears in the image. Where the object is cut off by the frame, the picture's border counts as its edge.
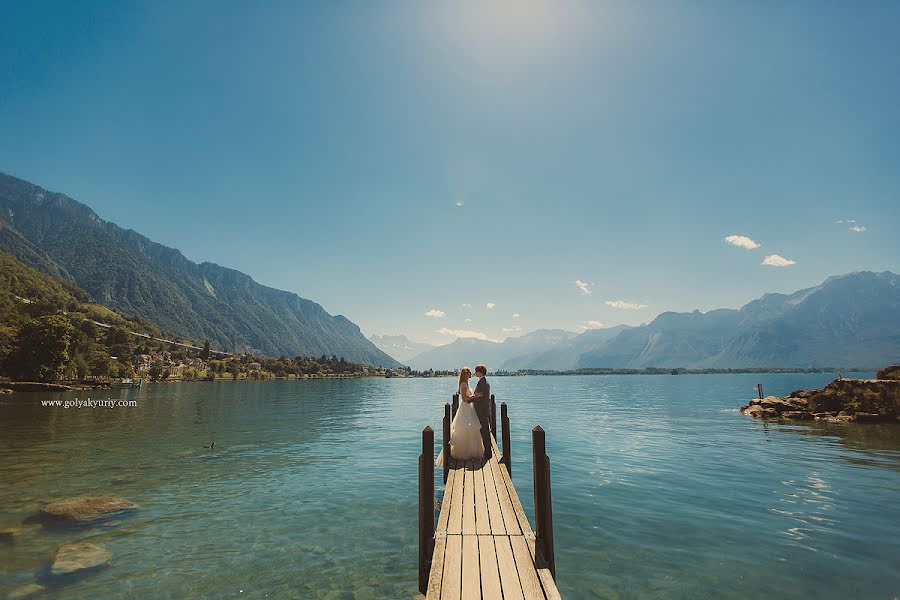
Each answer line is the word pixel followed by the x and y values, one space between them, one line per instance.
pixel 660 489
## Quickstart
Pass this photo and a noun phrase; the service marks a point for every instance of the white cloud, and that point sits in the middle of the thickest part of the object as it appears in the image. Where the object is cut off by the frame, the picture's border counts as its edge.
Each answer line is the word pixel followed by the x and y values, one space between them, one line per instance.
pixel 858 228
pixel 464 333
pixel 460 203
pixel 774 260
pixel 467 305
pixel 437 314
pixel 625 305
pixel 741 241
pixel 583 286
pixel 512 329
pixel 468 320
pixel 515 315
pixel 590 325
pixel 846 221
pixel 490 305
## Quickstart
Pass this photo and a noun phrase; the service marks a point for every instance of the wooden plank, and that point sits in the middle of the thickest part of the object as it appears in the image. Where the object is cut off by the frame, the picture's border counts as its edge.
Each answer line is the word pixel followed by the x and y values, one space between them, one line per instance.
pixel 437 570
pixel 454 520
pixel 471 568
pixel 528 577
pixel 510 522
pixel 493 501
pixel 490 573
pixel 506 564
pixel 444 516
pixel 451 583
pixel 482 515
pixel 547 582
pixel 468 497
pixel 516 504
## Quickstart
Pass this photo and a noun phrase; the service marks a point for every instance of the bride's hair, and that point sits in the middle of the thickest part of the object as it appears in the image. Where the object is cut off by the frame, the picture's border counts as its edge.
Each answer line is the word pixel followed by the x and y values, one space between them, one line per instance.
pixel 461 373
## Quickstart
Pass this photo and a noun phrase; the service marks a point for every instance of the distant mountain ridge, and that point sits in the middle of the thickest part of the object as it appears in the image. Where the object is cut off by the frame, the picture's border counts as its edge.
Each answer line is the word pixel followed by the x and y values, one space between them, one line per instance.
pixel 850 320
pixel 399 346
pixel 126 270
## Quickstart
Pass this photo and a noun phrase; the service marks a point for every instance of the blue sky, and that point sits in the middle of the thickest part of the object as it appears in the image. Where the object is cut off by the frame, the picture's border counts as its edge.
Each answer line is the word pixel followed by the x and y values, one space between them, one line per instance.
pixel 391 159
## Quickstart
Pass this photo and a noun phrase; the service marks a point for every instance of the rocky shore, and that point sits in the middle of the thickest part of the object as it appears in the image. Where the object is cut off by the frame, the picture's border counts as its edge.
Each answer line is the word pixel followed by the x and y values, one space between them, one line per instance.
pixel 842 401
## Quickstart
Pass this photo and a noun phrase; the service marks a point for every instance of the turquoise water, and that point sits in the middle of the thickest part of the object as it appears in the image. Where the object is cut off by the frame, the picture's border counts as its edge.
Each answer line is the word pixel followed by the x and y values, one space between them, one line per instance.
pixel 660 489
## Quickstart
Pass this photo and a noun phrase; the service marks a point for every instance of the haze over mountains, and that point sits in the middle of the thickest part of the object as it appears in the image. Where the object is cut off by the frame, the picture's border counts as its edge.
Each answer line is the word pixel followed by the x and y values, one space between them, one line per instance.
pixel 850 320
pixel 127 271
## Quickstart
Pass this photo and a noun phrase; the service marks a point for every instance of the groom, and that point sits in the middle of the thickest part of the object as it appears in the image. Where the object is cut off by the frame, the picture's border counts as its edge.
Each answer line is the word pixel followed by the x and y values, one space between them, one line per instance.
pixel 482 401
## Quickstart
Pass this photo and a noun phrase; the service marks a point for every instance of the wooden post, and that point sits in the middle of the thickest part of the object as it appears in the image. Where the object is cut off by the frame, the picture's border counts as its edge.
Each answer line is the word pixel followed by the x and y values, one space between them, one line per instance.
pixel 493 417
pixel 455 406
pixel 445 442
pixel 506 459
pixel 759 390
pixel 426 507
pixel 543 505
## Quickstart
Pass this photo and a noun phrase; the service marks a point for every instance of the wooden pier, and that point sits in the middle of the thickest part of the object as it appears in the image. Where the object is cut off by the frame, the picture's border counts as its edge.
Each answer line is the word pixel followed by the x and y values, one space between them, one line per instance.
pixel 483 545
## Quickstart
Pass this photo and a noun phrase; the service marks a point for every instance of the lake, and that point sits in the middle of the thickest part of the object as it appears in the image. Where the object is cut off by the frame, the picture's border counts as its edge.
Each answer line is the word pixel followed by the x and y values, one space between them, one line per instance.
pixel 661 489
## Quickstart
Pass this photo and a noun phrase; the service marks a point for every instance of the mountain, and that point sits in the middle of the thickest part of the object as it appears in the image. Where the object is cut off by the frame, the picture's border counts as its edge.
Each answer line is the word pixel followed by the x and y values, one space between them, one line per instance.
pixel 564 356
pixel 131 273
pixel 510 354
pixel 849 320
pixel 399 346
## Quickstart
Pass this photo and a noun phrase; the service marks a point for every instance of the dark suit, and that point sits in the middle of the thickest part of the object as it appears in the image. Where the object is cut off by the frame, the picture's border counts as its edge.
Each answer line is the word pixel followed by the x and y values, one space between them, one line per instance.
pixel 483 410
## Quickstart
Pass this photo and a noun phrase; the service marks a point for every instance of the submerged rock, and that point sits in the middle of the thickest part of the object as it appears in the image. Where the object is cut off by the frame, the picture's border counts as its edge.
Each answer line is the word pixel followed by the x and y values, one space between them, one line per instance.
pixel 10 535
pixel 80 557
pixel 29 590
pixel 86 508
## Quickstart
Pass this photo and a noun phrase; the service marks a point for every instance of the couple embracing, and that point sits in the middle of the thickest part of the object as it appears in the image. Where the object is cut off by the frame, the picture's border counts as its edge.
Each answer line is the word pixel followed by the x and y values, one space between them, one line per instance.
pixel 470 429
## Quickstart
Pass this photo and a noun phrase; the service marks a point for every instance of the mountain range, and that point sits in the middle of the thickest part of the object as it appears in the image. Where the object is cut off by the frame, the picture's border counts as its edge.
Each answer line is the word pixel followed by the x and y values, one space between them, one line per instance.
pixel 399 346
pixel 129 272
pixel 849 320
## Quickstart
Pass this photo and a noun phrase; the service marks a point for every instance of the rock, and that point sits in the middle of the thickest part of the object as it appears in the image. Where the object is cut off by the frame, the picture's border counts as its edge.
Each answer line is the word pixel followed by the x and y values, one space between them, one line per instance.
pixel 5 391
pixel 797 414
pixel 892 372
pixel 12 534
pixel 770 413
pixel 754 410
pixel 80 557
pixel 86 508
pixel 29 590
pixel 866 417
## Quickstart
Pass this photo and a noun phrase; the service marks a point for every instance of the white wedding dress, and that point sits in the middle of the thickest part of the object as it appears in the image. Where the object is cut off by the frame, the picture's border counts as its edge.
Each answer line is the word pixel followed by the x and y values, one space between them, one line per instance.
pixel 465 430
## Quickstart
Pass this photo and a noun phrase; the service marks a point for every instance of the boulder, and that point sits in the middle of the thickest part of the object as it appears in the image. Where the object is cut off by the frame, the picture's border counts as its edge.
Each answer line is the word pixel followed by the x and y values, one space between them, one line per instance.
pixel 29 590
pixel 797 414
pixel 86 508
pixel 754 410
pixel 892 372
pixel 10 535
pixel 78 558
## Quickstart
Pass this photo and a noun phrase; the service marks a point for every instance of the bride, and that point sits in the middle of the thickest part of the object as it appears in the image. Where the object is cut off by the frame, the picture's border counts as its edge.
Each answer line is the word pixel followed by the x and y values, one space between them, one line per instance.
pixel 465 430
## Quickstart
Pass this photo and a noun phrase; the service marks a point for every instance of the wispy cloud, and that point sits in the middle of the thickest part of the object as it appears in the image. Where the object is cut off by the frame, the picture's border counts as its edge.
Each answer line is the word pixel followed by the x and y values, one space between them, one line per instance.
pixel 583 286
pixel 435 313
pixel 845 221
pixel 515 315
pixel 468 320
pixel 858 228
pixel 625 305
pixel 590 325
pixel 513 329
pixel 774 260
pixel 741 241
pixel 490 305
pixel 465 333
pixel 467 305
pixel 460 203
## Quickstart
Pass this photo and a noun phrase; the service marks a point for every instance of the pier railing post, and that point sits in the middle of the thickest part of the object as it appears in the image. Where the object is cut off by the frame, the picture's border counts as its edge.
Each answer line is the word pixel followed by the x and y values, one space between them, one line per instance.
pixel 445 442
pixel 506 459
pixel 426 507
pixel 759 390
pixel 493 417
pixel 543 505
pixel 455 406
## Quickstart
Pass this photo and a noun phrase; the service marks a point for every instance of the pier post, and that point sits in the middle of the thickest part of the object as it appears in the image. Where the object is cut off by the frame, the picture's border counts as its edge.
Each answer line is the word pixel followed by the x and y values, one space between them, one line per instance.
pixel 543 505
pixel 759 390
pixel 455 406
pixel 426 507
pixel 506 459
pixel 493 417
pixel 445 442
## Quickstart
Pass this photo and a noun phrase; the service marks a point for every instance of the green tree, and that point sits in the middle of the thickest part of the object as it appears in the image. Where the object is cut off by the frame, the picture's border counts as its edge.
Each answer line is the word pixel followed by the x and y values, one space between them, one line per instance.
pixel 204 354
pixel 42 348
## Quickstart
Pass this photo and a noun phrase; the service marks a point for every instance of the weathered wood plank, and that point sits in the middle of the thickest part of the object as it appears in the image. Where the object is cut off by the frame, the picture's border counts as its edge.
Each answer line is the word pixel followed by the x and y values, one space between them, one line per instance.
pixel 506 564
pixel 528 577
pixel 444 516
pixel 482 514
pixel 510 522
pixel 493 502
pixel 516 504
pixel 471 568
pixel 437 570
pixel 451 582
pixel 468 497
pixel 549 585
pixel 490 573
pixel 454 521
